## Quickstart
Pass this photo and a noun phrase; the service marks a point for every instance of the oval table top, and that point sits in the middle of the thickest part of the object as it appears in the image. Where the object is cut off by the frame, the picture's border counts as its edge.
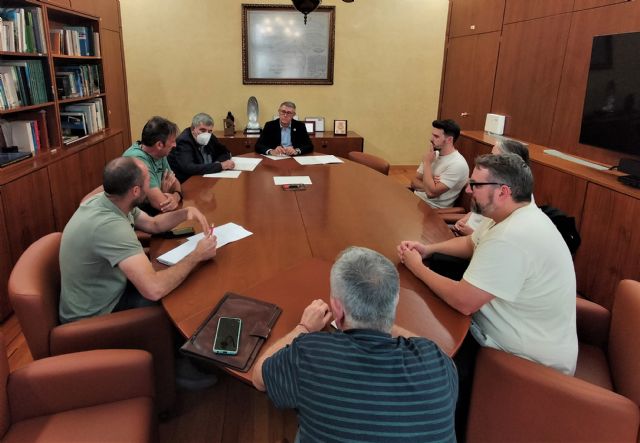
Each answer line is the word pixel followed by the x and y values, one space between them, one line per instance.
pixel 297 236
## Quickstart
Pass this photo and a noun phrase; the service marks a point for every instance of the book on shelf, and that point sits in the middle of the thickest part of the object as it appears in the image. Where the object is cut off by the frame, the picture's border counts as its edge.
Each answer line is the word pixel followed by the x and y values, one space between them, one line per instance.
pixel 93 113
pixel 22 30
pixel 77 80
pixel 73 126
pixel 24 134
pixel 23 83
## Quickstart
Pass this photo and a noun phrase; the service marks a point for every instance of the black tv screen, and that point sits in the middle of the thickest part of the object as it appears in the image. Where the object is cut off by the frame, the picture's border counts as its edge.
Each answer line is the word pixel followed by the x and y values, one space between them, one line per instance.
pixel 611 115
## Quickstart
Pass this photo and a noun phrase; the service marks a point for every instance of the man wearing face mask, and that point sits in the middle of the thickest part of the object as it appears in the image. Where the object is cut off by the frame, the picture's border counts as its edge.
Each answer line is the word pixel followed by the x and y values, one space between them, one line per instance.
pixel 198 151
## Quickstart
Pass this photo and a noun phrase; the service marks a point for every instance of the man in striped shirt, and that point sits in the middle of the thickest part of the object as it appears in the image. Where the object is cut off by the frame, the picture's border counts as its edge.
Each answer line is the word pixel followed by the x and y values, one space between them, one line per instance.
pixel 360 384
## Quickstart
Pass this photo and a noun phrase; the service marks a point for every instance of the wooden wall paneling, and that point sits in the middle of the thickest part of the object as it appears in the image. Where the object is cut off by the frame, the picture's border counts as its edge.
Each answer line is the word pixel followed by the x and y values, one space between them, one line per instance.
pixel 65 178
pixel 113 147
pixel 107 10
pixel 610 243
pixel 5 266
pixel 616 19
pixel 115 82
pixel 28 210
pixel 519 10
pixel 559 189
pixel 587 4
pixel 475 17
pixel 468 79
pixel 470 149
pixel 528 76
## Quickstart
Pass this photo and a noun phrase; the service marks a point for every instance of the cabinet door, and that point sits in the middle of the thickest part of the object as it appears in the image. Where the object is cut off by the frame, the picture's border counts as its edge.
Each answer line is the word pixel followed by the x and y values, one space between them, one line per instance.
pixel 339 146
pixel 473 57
pixel 113 147
pixel 28 210
pixel 239 145
pixel 519 10
pixel 610 243
pixel 587 4
pixel 559 189
pixel 470 149
pixel 5 266
pixel 114 80
pixel 475 16
pixel 528 76
pixel 107 10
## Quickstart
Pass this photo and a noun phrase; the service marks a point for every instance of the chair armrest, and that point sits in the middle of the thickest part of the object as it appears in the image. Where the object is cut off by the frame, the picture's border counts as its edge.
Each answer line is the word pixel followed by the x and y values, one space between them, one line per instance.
pixel 141 328
pixel 78 380
pixel 515 399
pixel 451 218
pixel 452 210
pixel 592 322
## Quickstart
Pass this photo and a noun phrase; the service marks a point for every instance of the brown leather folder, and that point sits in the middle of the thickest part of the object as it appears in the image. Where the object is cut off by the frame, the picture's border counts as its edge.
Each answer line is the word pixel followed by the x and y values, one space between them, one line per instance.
pixel 258 317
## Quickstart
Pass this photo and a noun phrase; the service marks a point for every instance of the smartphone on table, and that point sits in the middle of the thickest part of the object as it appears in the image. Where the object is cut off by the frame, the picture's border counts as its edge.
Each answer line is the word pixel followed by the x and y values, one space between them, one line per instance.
pixel 227 339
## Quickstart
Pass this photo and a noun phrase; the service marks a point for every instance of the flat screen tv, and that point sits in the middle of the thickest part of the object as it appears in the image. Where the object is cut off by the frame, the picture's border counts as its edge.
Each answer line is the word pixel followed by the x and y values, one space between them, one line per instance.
pixel 611 113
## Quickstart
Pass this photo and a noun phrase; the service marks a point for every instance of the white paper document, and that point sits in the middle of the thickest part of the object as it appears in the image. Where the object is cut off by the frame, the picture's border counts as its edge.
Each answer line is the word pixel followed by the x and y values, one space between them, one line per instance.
pixel 224 174
pixel 245 164
pixel 276 157
pixel 292 180
pixel 318 160
pixel 226 233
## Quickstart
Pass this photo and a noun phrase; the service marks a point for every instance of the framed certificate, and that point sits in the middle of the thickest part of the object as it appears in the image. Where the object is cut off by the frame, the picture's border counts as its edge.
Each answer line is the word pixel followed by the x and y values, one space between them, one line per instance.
pixel 340 127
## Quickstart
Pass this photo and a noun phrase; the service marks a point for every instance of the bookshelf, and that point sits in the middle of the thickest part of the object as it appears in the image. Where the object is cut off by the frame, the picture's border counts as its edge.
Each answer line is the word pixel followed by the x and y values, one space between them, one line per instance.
pixel 74 109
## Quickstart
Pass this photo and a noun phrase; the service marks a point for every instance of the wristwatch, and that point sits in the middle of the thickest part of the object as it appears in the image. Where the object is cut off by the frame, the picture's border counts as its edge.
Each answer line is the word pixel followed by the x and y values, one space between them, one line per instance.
pixel 298 151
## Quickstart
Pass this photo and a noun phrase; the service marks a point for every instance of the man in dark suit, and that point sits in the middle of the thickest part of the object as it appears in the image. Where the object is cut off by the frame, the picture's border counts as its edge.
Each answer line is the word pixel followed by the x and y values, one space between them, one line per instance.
pixel 284 136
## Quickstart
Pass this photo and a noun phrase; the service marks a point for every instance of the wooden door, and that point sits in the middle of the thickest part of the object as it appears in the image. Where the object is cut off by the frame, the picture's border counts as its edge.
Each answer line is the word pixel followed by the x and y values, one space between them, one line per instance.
pixel 470 70
pixel 475 16
pixel 107 10
pixel 115 82
pixel 519 10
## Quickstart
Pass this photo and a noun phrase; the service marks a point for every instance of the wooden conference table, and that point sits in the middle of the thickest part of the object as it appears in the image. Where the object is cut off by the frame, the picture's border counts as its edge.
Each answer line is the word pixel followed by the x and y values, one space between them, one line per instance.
pixel 296 238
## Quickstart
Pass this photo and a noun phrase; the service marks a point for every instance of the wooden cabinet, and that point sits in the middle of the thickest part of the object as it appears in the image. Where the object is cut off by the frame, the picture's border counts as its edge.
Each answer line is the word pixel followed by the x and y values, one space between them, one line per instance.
pixel 470 149
pixel 5 266
pixel 468 102
pixel 519 10
pixel 475 17
pixel 327 143
pixel 107 10
pixel 115 83
pixel 610 243
pixel 587 4
pixel 114 147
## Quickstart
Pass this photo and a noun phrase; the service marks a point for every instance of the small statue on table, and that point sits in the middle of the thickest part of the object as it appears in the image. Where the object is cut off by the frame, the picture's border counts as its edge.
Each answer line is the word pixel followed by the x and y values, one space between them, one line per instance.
pixel 229 125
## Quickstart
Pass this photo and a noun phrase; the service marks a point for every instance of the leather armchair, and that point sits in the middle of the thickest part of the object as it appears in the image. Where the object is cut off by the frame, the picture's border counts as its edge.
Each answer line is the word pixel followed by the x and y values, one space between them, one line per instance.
pixel 102 395
pixel 372 161
pixel 34 291
pixel 515 399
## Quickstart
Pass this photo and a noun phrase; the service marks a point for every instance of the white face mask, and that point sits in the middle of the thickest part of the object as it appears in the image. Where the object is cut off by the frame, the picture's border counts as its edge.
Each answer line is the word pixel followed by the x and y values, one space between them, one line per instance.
pixel 203 138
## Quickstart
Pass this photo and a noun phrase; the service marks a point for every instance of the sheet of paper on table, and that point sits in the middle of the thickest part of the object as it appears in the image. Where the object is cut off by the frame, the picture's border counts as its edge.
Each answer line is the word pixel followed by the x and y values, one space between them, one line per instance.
pixel 226 233
pixel 224 174
pixel 292 180
pixel 245 164
pixel 318 160
pixel 276 157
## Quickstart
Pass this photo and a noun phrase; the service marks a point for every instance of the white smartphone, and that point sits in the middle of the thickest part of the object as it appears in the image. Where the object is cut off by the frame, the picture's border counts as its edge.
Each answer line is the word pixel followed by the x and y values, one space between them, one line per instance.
pixel 227 339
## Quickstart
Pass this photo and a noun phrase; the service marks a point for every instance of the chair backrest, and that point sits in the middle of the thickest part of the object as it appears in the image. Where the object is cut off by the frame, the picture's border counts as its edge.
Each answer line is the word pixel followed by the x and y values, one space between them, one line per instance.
pixel 463 200
pixel 624 340
pixel 5 413
pixel 92 193
pixel 372 161
pixel 34 291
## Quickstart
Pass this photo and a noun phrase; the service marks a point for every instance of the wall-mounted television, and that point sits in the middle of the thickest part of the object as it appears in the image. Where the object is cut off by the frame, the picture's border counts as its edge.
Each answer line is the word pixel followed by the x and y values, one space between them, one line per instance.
pixel 611 112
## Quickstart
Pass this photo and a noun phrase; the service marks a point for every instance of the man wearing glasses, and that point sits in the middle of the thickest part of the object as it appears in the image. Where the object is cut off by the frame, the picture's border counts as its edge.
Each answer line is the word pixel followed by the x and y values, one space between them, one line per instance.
pixel 520 286
pixel 284 136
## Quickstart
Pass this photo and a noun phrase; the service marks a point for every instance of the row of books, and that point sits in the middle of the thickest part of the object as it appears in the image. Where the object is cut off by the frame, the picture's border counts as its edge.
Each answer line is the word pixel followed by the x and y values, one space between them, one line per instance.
pixel 75 40
pixel 77 80
pixel 28 135
pixel 81 119
pixel 22 83
pixel 22 30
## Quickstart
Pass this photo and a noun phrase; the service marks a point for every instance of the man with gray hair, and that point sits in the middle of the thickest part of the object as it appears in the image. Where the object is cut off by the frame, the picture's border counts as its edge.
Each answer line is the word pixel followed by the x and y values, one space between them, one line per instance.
pixel 284 136
pixel 520 285
pixel 198 151
pixel 360 383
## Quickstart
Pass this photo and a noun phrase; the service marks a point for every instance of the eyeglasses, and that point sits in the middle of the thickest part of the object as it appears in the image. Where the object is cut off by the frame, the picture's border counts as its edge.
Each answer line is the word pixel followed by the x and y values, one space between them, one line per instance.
pixel 472 185
pixel 281 112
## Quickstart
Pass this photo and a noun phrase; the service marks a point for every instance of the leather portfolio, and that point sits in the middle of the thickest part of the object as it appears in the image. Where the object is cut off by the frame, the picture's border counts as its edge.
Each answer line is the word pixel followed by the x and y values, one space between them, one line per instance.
pixel 258 317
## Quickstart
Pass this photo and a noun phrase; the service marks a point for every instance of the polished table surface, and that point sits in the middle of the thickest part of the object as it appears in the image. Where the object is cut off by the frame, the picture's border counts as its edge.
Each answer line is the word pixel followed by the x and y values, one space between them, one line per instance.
pixel 297 236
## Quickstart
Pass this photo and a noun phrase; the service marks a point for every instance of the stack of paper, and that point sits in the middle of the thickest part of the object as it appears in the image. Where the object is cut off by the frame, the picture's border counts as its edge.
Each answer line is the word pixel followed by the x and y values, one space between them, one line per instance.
pixel 226 233
pixel 292 180
pixel 276 157
pixel 318 160
pixel 245 163
pixel 224 174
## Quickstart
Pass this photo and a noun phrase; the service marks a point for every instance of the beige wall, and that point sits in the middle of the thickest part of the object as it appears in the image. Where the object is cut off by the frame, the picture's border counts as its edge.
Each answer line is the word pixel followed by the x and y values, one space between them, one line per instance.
pixel 184 57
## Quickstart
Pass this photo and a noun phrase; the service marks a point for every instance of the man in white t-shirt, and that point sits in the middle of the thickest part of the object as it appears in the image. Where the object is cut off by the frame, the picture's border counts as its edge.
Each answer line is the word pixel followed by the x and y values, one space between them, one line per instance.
pixel 443 172
pixel 520 285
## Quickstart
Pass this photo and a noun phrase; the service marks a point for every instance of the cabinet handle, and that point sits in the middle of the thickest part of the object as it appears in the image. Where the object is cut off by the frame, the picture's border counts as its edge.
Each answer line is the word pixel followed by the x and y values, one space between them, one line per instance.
pixel 464 114
pixel 472 27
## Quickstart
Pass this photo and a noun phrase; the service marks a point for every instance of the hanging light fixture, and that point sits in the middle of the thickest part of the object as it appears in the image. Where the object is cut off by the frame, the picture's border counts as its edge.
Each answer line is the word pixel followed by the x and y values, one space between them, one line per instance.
pixel 306 7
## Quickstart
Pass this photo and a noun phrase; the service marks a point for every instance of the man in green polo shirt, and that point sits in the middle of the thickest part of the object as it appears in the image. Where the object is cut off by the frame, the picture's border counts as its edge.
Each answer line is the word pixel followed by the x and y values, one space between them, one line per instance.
pixel 158 139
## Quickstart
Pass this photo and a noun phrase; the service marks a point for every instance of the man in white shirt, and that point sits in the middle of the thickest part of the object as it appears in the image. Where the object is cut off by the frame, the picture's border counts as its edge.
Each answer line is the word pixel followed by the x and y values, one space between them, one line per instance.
pixel 443 172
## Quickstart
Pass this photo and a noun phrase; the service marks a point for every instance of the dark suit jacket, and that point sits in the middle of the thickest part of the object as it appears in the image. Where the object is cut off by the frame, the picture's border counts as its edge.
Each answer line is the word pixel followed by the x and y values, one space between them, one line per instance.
pixel 186 160
pixel 270 137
